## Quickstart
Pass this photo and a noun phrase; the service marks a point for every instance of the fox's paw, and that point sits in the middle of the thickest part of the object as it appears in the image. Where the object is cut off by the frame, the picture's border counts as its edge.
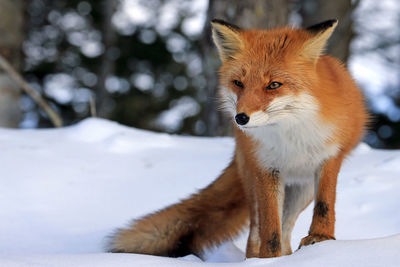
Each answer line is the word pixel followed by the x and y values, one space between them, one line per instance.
pixel 312 239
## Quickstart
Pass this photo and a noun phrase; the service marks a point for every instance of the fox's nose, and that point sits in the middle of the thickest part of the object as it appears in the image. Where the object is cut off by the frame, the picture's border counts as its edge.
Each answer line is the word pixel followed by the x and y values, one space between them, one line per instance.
pixel 242 118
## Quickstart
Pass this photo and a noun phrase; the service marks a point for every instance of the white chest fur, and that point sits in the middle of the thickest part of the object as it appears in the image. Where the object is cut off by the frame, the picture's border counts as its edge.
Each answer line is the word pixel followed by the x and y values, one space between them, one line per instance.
pixel 296 142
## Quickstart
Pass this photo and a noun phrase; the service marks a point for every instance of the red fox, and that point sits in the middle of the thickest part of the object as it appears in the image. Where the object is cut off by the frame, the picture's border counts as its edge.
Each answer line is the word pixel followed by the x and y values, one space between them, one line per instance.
pixel 297 113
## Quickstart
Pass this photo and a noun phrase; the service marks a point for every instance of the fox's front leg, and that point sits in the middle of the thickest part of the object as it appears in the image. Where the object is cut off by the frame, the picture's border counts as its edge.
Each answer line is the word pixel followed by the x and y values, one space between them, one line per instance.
pixel 323 223
pixel 269 191
pixel 253 242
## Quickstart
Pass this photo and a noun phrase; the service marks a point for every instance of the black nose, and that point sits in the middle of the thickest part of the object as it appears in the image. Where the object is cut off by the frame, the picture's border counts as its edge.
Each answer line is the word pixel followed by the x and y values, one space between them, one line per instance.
pixel 242 118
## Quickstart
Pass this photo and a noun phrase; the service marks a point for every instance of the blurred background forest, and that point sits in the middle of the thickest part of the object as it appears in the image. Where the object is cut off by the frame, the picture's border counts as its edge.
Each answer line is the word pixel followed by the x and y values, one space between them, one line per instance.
pixel 151 63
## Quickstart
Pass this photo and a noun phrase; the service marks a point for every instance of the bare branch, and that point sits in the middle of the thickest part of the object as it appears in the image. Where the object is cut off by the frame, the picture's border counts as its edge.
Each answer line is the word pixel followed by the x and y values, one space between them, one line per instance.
pixel 92 103
pixel 54 117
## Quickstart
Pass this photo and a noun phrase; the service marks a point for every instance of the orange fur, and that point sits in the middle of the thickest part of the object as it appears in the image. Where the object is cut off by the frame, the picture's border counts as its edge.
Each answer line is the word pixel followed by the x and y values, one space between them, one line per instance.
pixel 320 119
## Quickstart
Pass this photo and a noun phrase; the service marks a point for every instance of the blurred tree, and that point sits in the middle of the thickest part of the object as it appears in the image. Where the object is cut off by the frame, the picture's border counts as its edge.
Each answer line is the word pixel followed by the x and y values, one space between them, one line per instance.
pixel 62 55
pixel 376 56
pixel 11 38
pixel 107 64
pixel 161 61
pixel 315 11
pixel 245 14
pixel 138 58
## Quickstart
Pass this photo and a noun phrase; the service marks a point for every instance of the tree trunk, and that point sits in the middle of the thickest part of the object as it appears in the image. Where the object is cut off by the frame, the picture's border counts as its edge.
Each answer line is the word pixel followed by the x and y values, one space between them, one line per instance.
pixel 315 11
pixel 11 38
pixel 245 14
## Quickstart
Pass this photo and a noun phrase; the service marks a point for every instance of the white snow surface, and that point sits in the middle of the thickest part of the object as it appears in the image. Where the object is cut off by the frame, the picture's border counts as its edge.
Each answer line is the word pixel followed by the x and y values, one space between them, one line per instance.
pixel 63 191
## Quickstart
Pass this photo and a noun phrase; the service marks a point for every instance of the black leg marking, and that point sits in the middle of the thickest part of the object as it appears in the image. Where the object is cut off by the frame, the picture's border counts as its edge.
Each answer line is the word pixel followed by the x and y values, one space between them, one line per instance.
pixel 275 243
pixel 321 209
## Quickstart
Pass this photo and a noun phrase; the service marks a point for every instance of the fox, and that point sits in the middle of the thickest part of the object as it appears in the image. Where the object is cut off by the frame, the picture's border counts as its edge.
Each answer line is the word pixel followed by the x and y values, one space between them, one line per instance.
pixel 296 113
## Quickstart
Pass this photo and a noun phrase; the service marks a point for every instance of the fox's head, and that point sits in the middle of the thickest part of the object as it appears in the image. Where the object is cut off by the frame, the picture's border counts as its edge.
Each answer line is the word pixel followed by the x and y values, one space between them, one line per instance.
pixel 268 76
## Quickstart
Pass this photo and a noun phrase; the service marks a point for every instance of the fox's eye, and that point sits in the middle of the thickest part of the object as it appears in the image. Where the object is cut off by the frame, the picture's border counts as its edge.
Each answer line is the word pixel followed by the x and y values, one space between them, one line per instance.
pixel 274 85
pixel 238 83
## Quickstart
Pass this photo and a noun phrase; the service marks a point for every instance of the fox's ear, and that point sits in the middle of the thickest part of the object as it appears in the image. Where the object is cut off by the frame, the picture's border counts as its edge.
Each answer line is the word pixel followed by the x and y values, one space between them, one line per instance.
pixel 227 38
pixel 321 32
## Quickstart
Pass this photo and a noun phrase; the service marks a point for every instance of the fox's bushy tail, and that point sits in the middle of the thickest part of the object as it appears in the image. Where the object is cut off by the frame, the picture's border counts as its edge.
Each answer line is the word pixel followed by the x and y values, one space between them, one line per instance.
pixel 215 214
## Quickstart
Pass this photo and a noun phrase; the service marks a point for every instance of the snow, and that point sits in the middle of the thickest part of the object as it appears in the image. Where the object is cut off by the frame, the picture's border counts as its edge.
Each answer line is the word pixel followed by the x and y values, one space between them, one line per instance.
pixel 375 68
pixel 63 191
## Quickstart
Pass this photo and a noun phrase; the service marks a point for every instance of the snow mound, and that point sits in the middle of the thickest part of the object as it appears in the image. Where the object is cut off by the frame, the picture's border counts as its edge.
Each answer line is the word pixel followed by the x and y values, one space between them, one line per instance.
pixel 63 191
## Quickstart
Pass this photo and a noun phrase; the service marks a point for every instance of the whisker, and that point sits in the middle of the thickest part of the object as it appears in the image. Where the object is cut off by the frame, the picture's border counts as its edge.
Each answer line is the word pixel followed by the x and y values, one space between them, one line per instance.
pixel 228 104
pixel 289 108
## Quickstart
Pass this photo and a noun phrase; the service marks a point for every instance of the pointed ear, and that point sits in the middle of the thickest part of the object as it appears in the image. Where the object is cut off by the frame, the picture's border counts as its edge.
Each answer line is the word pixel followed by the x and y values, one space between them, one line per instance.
pixel 320 34
pixel 227 39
